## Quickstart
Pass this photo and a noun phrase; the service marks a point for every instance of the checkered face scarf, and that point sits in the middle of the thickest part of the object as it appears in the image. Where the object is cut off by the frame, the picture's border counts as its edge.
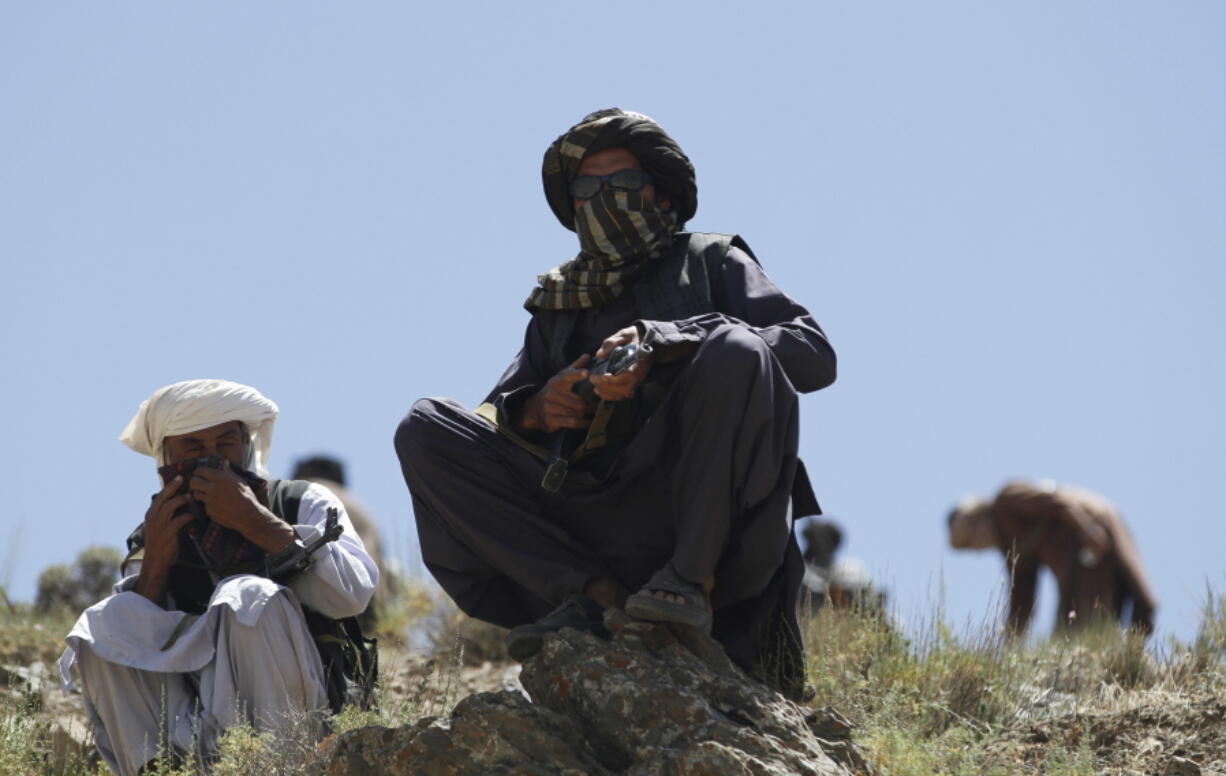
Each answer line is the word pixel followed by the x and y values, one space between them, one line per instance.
pixel 619 232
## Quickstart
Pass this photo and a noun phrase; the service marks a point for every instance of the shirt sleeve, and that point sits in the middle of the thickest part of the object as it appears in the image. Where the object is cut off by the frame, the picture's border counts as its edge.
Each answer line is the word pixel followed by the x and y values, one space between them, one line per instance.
pixel 342 578
pixel 745 296
pixel 525 376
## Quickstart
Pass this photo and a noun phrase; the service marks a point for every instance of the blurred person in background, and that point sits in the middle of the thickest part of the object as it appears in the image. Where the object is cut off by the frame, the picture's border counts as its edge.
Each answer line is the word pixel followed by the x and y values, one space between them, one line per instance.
pixel 330 473
pixel 843 582
pixel 1075 534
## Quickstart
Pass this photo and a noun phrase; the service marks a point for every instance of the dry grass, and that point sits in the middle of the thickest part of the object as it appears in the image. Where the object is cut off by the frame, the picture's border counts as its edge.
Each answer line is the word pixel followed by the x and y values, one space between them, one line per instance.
pixel 932 703
pixel 983 704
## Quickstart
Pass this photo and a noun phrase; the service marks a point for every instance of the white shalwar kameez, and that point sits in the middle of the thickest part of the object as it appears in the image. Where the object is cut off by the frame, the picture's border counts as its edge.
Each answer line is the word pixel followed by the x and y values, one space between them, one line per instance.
pixel 157 680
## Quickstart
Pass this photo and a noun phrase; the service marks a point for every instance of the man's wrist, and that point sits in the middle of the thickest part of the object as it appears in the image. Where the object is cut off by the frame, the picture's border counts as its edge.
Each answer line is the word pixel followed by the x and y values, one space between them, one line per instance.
pixel 524 417
pixel 277 533
pixel 151 582
pixel 270 533
pixel 667 341
pixel 287 562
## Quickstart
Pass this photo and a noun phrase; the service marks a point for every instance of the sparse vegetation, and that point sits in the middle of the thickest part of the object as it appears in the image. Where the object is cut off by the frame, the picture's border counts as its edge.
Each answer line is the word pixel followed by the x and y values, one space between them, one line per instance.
pixel 85 582
pixel 985 705
pixel 933 703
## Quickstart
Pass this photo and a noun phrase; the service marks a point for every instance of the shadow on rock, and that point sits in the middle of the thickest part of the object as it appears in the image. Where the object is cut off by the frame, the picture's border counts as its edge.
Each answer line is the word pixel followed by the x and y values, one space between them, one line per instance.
pixel 650 701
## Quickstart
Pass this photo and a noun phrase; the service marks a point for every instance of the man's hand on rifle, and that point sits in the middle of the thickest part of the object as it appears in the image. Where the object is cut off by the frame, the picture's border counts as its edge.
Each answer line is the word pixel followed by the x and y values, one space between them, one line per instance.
pixel 557 406
pixel 622 386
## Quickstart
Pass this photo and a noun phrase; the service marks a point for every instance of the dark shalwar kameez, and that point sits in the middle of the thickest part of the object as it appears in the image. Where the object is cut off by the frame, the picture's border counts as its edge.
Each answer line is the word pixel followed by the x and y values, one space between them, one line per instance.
pixel 703 477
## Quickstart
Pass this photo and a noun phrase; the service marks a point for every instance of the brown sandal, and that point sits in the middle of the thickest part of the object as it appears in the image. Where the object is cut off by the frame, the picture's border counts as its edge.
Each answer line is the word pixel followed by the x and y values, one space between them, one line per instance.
pixel 695 612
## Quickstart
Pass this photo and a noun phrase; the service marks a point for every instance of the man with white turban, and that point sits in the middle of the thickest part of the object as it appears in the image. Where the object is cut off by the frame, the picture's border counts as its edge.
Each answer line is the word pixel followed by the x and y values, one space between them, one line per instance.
pixel 166 666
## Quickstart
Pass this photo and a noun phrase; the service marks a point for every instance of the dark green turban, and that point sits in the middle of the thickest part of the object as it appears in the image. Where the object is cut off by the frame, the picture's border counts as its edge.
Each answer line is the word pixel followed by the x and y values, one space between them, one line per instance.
pixel 615 128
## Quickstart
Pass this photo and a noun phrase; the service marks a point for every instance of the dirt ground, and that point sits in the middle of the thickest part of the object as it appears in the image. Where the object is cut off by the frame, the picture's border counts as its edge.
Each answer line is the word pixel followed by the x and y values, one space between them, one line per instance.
pixel 1161 734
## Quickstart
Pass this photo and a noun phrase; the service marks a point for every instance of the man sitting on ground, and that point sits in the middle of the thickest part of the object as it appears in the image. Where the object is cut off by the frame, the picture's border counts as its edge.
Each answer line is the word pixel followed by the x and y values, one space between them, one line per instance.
pixel 198 637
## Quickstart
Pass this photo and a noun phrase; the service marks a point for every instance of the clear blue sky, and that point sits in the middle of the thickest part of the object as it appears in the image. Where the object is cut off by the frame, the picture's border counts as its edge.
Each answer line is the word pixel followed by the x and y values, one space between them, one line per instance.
pixel 1010 221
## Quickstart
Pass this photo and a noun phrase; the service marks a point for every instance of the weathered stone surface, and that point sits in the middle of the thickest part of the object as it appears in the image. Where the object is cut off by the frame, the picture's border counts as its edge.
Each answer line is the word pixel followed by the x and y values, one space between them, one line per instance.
pixel 487 733
pixel 642 704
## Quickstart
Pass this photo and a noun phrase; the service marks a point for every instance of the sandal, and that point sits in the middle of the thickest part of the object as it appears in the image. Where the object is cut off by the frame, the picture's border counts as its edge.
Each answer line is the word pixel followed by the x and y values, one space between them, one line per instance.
pixel 577 611
pixel 695 612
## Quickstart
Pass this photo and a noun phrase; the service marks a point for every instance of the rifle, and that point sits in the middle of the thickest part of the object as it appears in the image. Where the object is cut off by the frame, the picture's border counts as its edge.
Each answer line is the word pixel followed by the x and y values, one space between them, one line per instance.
pixel 619 360
pixel 296 558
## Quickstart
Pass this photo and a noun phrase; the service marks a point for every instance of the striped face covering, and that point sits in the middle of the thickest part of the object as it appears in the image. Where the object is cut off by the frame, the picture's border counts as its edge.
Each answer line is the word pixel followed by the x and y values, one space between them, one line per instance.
pixel 619 233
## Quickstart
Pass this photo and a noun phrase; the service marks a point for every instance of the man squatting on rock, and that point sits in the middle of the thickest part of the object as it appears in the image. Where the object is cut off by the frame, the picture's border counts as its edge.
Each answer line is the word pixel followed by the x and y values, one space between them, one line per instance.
pixel 166 665
pixel 1077 535
pixel 677 498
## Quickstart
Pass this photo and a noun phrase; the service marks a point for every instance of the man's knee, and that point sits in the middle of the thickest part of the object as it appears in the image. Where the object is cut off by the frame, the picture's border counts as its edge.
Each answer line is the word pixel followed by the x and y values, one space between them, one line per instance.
pixel 422 429
pixel 732 351
pixel 280 620
pixel 93 668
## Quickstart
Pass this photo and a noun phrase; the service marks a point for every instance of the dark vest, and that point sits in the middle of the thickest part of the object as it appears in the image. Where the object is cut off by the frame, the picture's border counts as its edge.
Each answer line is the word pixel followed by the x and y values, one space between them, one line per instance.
pixel 680 285
pixel 677 286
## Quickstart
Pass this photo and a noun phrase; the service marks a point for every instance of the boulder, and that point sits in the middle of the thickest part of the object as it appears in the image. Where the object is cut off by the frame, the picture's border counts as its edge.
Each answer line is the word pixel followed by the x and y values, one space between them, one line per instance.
pixel 652 700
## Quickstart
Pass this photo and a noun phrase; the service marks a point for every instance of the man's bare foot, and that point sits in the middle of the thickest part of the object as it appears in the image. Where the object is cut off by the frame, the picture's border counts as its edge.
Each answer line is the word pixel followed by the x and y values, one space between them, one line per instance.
pixel 669 597
pixel 708 584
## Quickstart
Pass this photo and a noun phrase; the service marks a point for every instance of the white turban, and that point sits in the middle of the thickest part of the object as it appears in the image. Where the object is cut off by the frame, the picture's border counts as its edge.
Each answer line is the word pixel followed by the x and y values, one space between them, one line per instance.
pixel 195 404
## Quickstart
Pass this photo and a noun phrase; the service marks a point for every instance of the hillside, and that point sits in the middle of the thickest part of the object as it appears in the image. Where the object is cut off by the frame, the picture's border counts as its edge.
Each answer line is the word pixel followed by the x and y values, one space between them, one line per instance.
pixel 1098 703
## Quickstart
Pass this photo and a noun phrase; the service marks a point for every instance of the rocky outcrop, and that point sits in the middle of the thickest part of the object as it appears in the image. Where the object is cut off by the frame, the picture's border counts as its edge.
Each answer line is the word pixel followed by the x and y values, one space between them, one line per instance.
pixel 650 701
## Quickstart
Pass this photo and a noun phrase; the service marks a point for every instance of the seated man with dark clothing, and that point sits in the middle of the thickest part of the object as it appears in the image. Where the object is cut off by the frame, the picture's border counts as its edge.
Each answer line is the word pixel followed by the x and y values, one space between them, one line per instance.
pixel 683 478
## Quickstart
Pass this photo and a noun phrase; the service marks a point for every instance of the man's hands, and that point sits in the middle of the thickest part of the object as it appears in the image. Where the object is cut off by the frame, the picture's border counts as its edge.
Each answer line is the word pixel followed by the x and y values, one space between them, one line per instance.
pixel 622 386
pixel 231 503
pixel 227 500
pixel 162 525
pixel 557 406
pixel 162 528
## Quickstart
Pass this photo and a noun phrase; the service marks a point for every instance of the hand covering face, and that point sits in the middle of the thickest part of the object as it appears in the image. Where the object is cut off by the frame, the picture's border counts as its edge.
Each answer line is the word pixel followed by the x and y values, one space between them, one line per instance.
pixel 195 404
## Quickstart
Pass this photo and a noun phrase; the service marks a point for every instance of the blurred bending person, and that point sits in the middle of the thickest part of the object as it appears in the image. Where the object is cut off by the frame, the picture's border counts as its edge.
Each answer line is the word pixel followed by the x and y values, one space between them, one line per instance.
pixel 663 489
pixel 1075 534
pixel 216 622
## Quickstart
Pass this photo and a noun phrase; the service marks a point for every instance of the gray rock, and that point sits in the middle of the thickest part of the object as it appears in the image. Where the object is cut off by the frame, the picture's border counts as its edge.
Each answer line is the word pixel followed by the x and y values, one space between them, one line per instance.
pixel 649 702
pixel 487 733
pixel 34 678
pixel 1181 766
